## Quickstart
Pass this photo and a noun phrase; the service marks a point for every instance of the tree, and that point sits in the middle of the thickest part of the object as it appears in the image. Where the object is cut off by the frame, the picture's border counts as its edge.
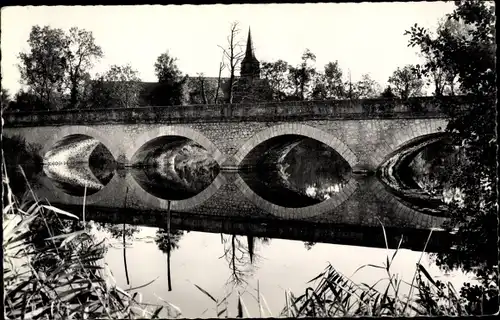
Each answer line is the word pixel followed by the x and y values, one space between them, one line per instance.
pixel 5 99
pixel 219 80
pixel 170 81
pixel 240 257
pixel 303 75
pixel 43 67
pixel 86 92
pixel 168 241
pixel 330 84
pixel 122 84
pixel 406 82
pixel 443 77
pixel 233 55
pixel 366 88
pixel 387 93
pixel 80 52
pixel 276 74
pixel 474 216
pixel 202 90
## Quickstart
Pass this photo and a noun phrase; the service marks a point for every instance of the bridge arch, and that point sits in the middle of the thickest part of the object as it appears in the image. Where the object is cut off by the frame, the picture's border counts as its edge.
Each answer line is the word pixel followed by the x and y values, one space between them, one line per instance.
pixel 408 134
pixel 296 129
pixel 66 131
pixel 182 131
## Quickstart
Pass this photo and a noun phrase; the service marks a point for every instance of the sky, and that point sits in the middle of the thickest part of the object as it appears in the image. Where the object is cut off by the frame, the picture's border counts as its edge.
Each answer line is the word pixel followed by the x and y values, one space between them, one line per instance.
pixel 363 37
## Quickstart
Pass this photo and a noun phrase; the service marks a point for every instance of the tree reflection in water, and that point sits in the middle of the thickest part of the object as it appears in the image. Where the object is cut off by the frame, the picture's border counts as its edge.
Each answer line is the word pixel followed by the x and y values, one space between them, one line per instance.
pixel 124 232
pixel 241 256
pixel 168 242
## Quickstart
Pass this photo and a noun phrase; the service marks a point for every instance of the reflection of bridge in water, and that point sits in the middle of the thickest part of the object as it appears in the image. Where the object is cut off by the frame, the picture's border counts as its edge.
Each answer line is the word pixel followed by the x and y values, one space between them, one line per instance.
pixel 362 202
pixel 274 228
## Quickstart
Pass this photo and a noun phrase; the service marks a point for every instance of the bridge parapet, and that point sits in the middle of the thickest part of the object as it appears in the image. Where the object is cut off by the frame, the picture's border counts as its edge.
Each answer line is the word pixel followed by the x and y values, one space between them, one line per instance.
pixel 419 107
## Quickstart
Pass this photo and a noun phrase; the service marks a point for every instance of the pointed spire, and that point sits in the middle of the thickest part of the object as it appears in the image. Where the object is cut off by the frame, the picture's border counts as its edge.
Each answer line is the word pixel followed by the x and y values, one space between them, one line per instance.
pixel 249 53
pixel 250 66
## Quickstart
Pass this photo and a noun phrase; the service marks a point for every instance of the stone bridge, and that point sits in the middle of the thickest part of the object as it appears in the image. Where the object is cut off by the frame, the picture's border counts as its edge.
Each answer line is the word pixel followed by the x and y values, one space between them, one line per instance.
pixel 364 132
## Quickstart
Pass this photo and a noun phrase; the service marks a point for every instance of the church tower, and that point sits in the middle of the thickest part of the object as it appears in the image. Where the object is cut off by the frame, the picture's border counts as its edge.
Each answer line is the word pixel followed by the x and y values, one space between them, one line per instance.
pixel 250 66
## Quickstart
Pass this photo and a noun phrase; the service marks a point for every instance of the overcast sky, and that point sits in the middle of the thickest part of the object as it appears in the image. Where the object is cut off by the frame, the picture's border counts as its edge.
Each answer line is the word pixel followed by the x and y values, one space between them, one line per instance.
pixel 364 37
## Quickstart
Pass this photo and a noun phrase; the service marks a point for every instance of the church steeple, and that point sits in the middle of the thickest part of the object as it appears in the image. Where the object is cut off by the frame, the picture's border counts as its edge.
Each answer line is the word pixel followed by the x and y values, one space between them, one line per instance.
pixel 250 66
pixel 249 53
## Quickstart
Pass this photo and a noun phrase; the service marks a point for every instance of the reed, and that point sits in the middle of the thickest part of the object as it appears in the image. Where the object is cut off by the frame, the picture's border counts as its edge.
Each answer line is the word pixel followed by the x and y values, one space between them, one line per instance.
pixel 63 276
pixel 333 294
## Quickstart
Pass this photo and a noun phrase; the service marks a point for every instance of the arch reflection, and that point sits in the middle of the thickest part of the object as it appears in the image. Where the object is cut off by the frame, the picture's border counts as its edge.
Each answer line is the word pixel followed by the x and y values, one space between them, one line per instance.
pixel 173 168
pixel 79 165
pixel 294 171
pixel 418 173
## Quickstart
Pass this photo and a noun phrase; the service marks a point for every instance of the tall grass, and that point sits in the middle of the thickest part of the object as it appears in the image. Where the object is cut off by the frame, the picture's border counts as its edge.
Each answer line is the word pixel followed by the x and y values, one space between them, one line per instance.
pixel 64 276
pixel 335 295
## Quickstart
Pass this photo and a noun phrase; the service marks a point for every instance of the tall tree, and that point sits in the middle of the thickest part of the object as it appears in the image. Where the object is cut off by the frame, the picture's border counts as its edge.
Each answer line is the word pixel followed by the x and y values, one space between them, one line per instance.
pixel 123 85
pixel 473 57
pixel 302 76
pixel 443 77
pixel 367 88
pixel 43 67
pixel 80 53
pixel 330 84
pixel 233 55
pixel 276 74
pixel 170 81
pixel 407 82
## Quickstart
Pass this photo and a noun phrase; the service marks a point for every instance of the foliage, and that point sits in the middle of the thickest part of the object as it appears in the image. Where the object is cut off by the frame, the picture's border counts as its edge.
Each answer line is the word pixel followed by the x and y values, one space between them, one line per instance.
pixel 118 231
pixel 20 155
pixel 58 62
pixel 302 76
pixel 43 67
pixel 26 101
pixel 122 86
pixel 406 82
pixel 336 295
pixel 201 90
pixel 5 99
pixel 470 54
pixel 330 85
pixel 171 82
pixel 366 88
pixel 387 93
pixel 99 94
pixel 80 51
pixel 168 242
pixel 64 278
pixel 276 74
